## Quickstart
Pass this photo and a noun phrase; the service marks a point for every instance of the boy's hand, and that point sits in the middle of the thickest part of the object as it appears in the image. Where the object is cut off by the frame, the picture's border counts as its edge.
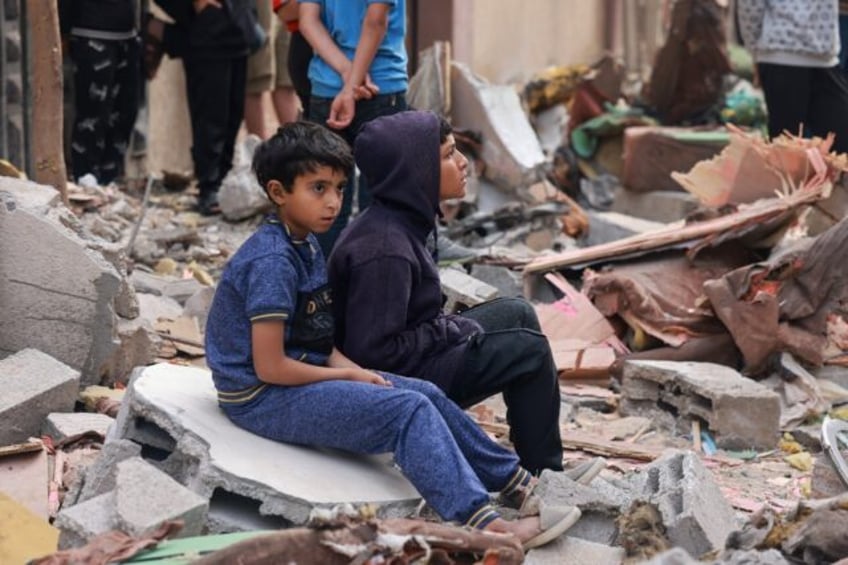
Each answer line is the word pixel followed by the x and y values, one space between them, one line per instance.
pixel 200 5
pixel 365 376
pixel 343 109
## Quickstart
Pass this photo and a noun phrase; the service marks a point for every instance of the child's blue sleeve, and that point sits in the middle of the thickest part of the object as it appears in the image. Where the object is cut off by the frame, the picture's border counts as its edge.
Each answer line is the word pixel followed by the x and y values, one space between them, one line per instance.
pixel 270 288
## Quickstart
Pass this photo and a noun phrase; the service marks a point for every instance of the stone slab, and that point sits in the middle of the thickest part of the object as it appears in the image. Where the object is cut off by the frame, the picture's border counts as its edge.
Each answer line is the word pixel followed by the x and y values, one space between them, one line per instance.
pixel 463 291
pixel 32 385
pixel 739 411
pixel 209 452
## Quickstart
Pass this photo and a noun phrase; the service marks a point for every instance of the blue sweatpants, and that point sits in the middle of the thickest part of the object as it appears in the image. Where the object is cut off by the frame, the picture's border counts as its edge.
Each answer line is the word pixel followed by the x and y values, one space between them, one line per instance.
pixel 443 452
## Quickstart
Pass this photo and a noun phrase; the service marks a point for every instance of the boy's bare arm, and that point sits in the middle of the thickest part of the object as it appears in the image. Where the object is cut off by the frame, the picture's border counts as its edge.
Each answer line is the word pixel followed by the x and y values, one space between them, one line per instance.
pixel 374 27
pixel 316 34
pixel 274 367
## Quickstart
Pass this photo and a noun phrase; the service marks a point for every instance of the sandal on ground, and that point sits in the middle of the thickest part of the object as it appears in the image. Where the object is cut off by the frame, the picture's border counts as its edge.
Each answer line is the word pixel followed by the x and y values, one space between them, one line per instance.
pixel 555 521
pixel 153 48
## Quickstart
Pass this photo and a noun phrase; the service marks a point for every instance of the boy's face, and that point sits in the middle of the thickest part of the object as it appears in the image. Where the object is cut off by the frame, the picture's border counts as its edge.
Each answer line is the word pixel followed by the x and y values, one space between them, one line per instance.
pixel 313 203
pixel 453 167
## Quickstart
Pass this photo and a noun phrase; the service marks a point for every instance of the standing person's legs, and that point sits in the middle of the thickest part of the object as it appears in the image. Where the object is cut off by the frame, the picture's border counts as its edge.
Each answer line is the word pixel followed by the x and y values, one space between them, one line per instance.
pixel 124 110
pixel 210 101
pixel 235 113
pixel 366 418
pixel 300 54
pixel 260 75
pixel 787 93
pixel 512 356
pixel 283 97
pixel 94 75
pixel 829 105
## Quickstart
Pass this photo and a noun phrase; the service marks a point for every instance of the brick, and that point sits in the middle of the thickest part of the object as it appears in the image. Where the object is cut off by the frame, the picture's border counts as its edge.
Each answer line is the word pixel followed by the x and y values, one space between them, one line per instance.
pixel 32 385
pixel 63 425
pixel 740 412
pixel 81 522
pixel 145 497
pixel 696 515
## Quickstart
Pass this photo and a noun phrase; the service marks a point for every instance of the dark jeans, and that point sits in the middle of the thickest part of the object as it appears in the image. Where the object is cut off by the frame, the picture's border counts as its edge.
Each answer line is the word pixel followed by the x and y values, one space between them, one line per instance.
pixel 366 110
pixel 300 55
pixel 216 90
pixel 106 95
pixel 512 356
pixel 814 97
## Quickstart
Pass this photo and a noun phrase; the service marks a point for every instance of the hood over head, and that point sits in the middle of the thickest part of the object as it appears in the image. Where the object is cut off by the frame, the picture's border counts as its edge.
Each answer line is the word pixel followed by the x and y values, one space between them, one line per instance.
pixel 399 157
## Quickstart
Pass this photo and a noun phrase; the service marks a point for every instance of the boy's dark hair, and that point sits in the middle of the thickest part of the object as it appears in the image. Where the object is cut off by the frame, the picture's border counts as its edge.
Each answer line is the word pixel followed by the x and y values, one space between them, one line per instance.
pixel 299 148
pixel 445 129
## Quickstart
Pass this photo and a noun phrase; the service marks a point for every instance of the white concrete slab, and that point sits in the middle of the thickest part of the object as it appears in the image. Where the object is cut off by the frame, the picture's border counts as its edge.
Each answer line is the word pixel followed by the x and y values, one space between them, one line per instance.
pixel 289 479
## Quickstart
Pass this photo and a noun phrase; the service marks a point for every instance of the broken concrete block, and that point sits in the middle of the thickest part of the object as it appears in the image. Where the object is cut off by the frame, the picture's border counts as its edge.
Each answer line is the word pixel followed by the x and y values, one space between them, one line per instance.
pixel 740 412
pixel 665 206
pixel 752 557
pixel 173 412
pixel 198 305
pixel 155 307
pixel 462 290
pixel 600 503
pixel 145 497
pixel 57 292
pixel 182 289
pixel 81 522
pixel 64 425
pixel 696 515
pixel 99 478
pixel 149 283
pixel 611 226
pixel 568 550
pixel 676 556
pixel 32 385
pixel 511 149
pixel 138 346
pixel 508 282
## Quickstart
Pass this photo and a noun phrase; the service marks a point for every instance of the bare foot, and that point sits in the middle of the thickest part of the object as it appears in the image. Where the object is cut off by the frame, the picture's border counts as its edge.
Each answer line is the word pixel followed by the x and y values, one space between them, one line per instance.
pixel 524 528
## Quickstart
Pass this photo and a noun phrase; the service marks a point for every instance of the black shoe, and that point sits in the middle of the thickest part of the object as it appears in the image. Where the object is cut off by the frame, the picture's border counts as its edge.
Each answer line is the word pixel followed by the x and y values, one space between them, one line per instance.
pixel 207 204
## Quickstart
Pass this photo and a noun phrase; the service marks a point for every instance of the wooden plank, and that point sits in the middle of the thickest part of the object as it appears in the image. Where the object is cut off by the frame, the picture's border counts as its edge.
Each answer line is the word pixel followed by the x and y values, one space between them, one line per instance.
pixel 28 447
pixel 576 440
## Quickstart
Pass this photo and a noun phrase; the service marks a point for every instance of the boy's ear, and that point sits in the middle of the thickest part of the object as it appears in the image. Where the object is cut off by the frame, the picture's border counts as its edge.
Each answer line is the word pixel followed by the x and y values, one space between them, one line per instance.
pixel 276 192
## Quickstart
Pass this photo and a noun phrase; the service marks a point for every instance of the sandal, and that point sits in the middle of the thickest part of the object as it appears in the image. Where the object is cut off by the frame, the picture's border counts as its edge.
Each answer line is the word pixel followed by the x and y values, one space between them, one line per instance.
pixel 554 521
pixel 153 46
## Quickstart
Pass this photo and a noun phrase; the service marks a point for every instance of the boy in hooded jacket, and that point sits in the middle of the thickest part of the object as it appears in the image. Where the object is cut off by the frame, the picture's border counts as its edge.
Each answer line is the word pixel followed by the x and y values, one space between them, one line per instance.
pixel 388 301
pixel 269 343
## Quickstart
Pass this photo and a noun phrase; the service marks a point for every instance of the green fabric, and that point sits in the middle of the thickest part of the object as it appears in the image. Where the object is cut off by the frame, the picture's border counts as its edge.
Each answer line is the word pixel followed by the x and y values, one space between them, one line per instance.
pixel 180 551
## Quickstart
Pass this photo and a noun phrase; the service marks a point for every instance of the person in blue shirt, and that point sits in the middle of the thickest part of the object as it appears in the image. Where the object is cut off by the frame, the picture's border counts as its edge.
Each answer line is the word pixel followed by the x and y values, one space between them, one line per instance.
pixel 358 72
pixel 269 344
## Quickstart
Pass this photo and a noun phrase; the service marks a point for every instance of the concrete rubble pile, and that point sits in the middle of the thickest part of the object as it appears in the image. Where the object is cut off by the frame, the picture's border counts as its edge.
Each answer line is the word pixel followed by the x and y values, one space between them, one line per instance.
pixel 687 276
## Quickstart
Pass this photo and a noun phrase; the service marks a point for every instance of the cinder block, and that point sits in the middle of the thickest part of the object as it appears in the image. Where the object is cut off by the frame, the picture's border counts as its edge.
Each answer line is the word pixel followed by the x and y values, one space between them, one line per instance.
pixel 568 550
pixel 740 412
pixel 463 290
pixel 600 504
pixel 696 515
pixel 145 497
pixel 99 478
pixel 81 522
pixel 63 425
pixel 32 385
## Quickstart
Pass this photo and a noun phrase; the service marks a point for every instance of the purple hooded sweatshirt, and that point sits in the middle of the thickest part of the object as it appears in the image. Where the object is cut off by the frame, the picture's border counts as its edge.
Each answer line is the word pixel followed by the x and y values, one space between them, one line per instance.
pixel 387 301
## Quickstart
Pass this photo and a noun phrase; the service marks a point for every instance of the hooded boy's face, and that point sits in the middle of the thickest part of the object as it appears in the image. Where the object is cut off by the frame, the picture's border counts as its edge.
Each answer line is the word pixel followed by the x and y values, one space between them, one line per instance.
pixel 453 170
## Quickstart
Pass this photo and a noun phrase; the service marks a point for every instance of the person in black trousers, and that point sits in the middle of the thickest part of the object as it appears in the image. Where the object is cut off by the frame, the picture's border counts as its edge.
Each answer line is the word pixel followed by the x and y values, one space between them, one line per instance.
pixel 214 39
